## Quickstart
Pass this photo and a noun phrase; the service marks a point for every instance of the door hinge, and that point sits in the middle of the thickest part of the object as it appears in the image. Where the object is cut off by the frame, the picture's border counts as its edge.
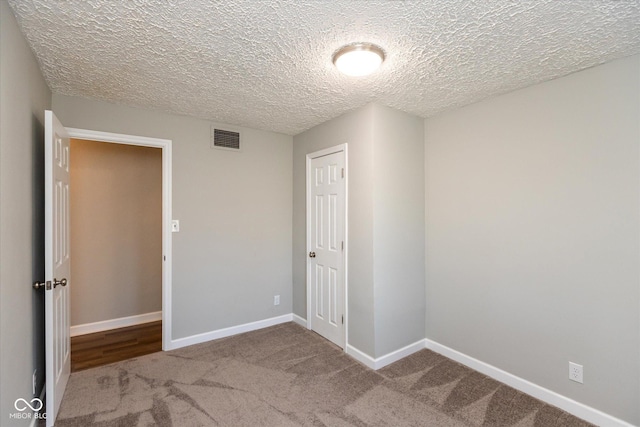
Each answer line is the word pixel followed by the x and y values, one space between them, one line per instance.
pixel 343 245
pixel 164 257
pixel 343 319
pixel 343 172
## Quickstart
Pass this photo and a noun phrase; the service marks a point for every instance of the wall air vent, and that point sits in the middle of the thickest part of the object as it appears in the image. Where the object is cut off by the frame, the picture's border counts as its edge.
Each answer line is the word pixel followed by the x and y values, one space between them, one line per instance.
pixel 225 139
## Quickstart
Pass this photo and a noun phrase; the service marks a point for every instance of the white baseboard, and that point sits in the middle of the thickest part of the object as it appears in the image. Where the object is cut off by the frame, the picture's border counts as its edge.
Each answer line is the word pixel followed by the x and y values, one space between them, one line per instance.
pixel 569 405
pixel 227 332
pixel 122 322
pixel 361 356
pixel 387 359
pixel 299 320
pixel 401 353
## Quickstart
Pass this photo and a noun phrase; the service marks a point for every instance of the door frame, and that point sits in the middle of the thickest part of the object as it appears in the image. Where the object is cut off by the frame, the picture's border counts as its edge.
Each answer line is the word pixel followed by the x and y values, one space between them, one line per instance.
pixel 165 146
pixel 309 157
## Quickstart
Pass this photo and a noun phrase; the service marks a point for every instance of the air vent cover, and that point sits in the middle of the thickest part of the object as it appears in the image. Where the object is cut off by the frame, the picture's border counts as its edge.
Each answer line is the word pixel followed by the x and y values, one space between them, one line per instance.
pixel 225 139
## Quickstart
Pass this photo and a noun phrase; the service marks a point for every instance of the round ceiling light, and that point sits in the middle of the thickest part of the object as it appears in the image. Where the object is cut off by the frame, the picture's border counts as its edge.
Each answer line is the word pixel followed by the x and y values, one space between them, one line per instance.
pixel 358 59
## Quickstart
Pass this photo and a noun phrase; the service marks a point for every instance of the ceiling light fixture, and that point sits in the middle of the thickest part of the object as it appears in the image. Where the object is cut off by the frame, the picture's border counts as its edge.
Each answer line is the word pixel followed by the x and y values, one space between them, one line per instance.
pixel 358 59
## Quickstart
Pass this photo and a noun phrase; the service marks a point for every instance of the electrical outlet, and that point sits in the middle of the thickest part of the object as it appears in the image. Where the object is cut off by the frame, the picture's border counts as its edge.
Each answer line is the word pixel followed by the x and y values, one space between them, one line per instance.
pixel 575 372
pixel 276 300
pixel 34 381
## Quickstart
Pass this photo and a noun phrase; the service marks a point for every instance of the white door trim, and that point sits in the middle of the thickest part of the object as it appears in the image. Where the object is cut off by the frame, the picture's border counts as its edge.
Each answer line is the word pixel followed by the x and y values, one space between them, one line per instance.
pixel 165 145
pixel 315 155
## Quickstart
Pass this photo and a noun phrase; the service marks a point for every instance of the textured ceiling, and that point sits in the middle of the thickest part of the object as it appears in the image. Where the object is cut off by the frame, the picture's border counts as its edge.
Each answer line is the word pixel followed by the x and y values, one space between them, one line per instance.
pixel 267 64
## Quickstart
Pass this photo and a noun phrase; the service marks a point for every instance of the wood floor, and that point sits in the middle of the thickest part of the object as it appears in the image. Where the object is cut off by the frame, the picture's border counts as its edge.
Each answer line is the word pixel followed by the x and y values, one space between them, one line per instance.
pixel 91 350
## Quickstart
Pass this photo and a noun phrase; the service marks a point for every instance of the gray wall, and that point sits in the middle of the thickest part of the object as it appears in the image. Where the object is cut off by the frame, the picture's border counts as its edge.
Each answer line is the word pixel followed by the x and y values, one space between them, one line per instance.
pixel 386 224
pixel 233 251
pixel 116 231
pixel 356 129
pixel 24 96
pixel 532 225
pixel 398 228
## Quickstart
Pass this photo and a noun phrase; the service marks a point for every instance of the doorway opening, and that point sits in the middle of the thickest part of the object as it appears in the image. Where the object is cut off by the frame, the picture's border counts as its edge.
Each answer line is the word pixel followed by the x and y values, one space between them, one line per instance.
pixel 116 243
pixel 121 249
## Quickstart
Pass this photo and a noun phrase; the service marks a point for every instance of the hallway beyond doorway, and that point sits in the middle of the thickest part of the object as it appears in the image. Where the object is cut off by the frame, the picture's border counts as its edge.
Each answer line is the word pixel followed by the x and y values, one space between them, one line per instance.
pixel 102 348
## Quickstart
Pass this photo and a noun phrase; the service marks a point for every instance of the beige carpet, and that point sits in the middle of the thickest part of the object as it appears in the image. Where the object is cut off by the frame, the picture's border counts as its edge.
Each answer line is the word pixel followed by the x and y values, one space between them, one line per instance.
pixel 286 375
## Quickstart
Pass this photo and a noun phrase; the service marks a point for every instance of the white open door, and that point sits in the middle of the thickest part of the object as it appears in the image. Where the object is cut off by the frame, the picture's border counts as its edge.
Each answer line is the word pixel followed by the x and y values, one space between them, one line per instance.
pixel 57 268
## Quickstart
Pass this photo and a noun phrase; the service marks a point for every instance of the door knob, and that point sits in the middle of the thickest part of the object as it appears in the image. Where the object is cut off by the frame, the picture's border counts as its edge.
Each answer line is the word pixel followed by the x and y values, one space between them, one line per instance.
pixel 47 285
pixel 41 285
pixel 312 254
pixel 57 282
